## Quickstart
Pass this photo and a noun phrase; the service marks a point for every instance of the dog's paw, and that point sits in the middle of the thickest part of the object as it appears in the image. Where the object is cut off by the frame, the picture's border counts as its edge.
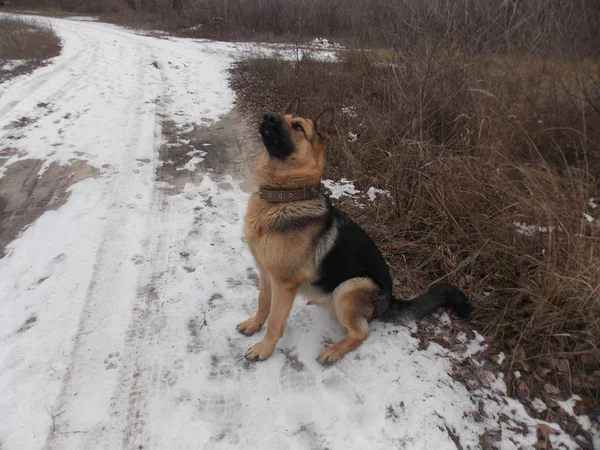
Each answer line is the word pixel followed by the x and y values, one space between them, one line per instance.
pixel 331 354
pixel 260 351
pixel 249 327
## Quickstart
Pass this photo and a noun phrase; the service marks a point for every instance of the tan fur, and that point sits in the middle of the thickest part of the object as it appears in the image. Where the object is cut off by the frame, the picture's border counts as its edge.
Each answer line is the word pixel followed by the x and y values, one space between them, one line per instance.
pixel 288 261
pixel 353 307
pixel 283 256
pixel 284 262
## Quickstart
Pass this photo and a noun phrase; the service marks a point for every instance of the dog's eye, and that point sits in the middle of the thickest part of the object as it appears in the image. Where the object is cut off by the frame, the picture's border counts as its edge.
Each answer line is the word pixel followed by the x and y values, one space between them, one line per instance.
pixel 297 127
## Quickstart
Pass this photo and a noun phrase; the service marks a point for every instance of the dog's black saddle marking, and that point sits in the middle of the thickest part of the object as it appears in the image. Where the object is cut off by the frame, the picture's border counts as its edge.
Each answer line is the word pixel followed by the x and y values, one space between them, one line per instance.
pixel 354 254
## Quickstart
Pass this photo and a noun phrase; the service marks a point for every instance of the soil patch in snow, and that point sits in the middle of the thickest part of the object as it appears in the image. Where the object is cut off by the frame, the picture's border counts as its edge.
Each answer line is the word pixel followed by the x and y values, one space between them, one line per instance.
pixel 188 153
pixel 25 195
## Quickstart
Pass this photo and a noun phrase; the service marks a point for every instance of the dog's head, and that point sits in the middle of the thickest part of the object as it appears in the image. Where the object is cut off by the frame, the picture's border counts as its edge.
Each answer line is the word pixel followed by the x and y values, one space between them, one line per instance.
pixel 295 147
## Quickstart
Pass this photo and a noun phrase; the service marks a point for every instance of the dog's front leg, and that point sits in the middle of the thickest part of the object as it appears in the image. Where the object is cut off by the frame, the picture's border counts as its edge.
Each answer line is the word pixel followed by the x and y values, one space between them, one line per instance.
pixel 282 299
pixel 255 323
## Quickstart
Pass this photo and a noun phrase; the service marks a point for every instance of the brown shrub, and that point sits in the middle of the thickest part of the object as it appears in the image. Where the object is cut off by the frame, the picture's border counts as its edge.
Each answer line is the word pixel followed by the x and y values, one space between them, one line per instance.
pixel 534 25
pixel 27 39
pixel 470 145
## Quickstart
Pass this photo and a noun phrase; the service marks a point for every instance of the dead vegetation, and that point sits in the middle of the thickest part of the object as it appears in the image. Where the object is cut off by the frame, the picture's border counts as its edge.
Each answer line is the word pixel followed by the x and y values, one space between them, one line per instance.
pixel 479 24
pixel 492 156
pixel 24 45
pixel 25 196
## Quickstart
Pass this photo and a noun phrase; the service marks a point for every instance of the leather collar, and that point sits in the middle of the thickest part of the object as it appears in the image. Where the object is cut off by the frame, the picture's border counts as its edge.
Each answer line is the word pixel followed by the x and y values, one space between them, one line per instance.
pixel 274 195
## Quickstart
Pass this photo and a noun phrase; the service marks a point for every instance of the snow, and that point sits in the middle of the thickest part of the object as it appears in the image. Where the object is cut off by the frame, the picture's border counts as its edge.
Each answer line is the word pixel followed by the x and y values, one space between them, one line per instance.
pixel 192 28
pixel 568 406
pixel 342 188
pixel 539 405
pixel 588 217
pixel 473 346
pixel 349 111
pixel 13 64
pixel 197 156
pixel 346 188
pixel 136 289
pixel 372 192
pixel 84 18
pixel 584 421
pixel 325 43
pixel 530 230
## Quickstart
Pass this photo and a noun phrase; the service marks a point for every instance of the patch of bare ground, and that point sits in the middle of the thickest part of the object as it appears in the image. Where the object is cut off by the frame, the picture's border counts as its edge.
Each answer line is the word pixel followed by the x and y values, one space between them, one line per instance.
pixel 25 195
pixel 25 44
pixel 225 147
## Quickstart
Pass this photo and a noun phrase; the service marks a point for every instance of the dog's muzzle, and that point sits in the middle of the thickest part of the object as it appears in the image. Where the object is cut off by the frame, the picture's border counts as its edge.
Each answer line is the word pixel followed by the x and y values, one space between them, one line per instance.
pixel 275 137
pixel 270 122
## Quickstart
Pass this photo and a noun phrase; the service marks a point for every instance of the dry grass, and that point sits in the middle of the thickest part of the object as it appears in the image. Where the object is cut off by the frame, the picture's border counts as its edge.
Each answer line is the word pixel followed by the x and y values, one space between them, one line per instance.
pixel 28 41
pixel 535 25
pixel 468 146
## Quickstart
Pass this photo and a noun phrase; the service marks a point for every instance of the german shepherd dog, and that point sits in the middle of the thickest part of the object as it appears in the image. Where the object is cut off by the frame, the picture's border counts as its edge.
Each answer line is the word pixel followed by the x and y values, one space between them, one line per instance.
pixel 302 244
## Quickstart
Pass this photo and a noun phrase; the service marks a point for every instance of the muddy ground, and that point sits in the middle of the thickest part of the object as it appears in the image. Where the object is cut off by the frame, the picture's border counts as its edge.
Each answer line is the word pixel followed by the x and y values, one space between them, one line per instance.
pixel 25 194
pixel 226 147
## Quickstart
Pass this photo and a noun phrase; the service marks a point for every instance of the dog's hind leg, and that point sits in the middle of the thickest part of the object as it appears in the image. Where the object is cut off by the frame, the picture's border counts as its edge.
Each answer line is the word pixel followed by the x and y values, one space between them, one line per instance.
pixel 255 323
pixel 353 304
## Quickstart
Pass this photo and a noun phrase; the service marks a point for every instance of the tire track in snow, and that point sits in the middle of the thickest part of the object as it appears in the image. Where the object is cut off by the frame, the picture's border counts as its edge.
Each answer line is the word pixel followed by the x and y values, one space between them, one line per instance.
pixel 108 303
pixel 142 375
pixel 140 382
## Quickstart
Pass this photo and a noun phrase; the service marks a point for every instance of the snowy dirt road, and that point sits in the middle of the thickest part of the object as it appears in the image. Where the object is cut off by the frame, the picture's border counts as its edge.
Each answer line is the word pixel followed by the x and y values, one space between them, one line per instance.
pixel 126 165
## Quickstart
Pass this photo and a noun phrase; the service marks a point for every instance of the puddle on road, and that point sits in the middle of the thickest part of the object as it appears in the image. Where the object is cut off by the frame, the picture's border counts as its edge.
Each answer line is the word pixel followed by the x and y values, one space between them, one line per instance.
pixel 25 196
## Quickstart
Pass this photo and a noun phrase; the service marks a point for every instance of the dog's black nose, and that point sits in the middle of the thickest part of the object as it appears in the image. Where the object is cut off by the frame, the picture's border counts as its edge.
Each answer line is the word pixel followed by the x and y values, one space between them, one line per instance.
pixel 271 117
pixel 275 137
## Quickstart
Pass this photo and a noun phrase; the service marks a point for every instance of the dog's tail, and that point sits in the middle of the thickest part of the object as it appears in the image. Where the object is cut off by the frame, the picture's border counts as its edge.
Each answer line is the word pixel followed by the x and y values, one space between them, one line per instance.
pixel 438 295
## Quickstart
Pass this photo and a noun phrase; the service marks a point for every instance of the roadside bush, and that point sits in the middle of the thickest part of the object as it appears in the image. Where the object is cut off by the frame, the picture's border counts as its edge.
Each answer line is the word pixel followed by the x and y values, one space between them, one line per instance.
pixel 26 39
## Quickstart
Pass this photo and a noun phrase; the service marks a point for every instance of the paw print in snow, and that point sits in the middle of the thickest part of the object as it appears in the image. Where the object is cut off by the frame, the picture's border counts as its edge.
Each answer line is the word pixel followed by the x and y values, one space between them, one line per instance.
pixel 303 320
pixel 112 361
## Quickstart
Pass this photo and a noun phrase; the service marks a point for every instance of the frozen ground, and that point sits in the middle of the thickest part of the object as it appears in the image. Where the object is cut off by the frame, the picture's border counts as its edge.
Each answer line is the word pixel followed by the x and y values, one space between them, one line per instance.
pixel 119 300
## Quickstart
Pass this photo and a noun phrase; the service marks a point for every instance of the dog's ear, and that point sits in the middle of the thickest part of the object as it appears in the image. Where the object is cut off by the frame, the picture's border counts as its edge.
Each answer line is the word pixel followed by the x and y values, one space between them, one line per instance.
pixel 324 123
pixel 294 107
